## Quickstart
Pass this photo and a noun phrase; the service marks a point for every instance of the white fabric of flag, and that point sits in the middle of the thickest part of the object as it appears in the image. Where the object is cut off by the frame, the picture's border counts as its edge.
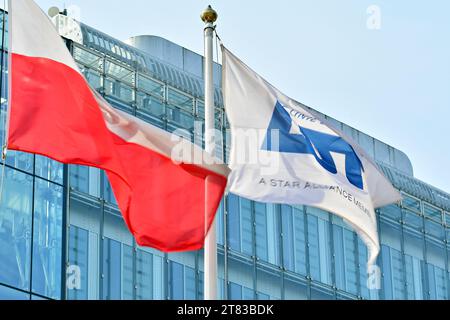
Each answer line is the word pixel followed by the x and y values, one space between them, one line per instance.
pixel 284 152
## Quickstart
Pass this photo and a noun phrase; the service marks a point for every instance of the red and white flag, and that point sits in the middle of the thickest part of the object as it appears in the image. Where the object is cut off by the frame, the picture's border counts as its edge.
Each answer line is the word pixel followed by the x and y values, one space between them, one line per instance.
pixel 54 112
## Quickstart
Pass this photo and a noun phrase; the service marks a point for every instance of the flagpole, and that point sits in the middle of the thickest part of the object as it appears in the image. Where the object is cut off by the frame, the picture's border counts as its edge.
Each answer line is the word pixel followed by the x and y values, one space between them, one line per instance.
pixel 209 16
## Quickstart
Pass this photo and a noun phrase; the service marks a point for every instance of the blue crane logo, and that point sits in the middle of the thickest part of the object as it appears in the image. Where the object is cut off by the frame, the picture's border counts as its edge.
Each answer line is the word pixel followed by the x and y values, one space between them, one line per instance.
pixel 297 139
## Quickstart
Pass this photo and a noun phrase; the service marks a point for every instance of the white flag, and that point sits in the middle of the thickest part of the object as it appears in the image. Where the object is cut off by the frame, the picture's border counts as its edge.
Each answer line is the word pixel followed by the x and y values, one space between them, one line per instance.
pixel 283 152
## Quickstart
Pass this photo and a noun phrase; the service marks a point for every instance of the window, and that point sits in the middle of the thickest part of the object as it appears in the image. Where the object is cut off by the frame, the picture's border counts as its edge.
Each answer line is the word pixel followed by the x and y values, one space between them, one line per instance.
pixel 15 229
pixel 119 90
pixel 49 169
pixel 151 86
pixel 413 220
pixel 392 212
pixel 295 289
pixel 293 235
pixel 85 179
pixel 77 278
pixel 319 248
pixel 111 270
pixel 176 281
pixel 11 294
pixel 432 212
pixel 47 239
pixel 180 119
pixel 87 58
pixel 345 259
pixel 150 105
pixel 219 223
pixel 267 234
pixel 268 282
pixel 436 265
pixel 411 203
pixel 414 263
pixel 435 229
pixel 414 276
pixel 144 275
pixel 240 224
pixel 180 100
pixel 120 73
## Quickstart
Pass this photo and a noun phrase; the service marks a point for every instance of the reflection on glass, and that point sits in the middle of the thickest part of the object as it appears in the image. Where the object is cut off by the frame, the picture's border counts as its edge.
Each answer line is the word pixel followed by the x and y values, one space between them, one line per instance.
pixel 11 294
pixel 77 277
pixel 176 281
pixel 49 169
pixel 144 275
pixel 15 229
pixel 47 240
pixel 294 243
pixel 111 271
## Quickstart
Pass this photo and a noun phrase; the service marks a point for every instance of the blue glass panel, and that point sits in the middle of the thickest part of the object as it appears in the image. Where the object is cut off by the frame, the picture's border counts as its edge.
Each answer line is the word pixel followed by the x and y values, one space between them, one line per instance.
pixel 295 289
pixel 79 178
pixel 387 276
pixel 144 275
pixel 127 273
pixel 159 278
pixel 49 169
pixel 189 275
pixel 411 203
pixel 234 291
pixel 246 226
pixel 345 259
pixel 261 231
pixel 437 283
pixel 20 160
pixel 108 193
pixel 414 276
pixel 393 212
pixel 287 236
pixel 432 212
pixel 150 107
pixel 299 240
pixel 248 294
pixel 294 244
pixel 318 293
pixel 179 118
pixel 413 220
pixel 233 226
pixel 15 229
pixel 77 279
pixel 262 296
pixel 268 282
pixel 47 240
pixel 414 263
pixel 434 229
pixel 5 41
pixel 436 264
pixel 111 270
pixel 176 281
pixel 397 274
pixel 319 249
pixel 267 235
pixel 11 294
pixel 219 223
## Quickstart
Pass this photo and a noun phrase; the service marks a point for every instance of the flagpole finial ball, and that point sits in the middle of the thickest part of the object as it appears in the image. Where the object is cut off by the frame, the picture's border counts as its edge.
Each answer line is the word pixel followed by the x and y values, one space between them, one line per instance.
pixel 209 15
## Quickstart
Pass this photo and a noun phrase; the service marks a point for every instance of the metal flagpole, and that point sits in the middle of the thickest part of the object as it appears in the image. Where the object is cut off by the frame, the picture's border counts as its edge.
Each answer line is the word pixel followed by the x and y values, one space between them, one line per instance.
pixel 209 16
pixel 5 124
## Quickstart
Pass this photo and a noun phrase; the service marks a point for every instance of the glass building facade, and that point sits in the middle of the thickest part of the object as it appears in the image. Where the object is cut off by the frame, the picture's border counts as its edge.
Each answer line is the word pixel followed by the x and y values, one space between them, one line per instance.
pixel 63 237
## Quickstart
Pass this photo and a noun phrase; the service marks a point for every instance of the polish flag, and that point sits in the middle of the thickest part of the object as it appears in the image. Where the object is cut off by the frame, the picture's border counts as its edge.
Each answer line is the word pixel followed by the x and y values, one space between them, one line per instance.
pixel 53 112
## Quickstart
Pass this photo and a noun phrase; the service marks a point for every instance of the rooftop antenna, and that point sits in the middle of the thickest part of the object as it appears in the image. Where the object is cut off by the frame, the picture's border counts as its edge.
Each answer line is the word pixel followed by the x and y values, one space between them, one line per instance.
pixel 53 11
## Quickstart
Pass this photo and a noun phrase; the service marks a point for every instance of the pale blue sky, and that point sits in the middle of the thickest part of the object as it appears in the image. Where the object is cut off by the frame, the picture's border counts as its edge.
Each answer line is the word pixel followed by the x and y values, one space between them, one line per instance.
pixel 392 83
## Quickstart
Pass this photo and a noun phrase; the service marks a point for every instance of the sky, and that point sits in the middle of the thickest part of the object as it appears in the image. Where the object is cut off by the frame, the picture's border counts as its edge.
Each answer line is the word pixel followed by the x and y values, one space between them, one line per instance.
pixel 381 66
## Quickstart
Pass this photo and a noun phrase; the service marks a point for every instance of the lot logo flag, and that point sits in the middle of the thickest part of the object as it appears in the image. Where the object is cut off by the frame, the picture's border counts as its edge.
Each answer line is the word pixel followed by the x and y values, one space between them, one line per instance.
pixel 54 112
pixel 284 152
